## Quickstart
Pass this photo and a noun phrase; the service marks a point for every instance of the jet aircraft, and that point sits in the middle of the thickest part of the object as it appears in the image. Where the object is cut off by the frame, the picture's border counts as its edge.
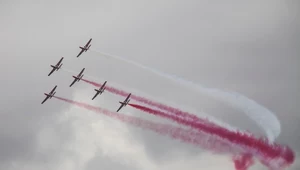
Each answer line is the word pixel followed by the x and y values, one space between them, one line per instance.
pixel 78 77
pixel 56 67
pixel 85 48
pixel 50 95
pixel 125 102
pixel 100 91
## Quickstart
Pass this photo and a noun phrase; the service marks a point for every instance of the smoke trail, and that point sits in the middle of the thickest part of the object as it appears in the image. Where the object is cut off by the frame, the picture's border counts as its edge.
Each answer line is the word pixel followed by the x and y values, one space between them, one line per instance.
pixel 70 71
pixel 261 115
pixel 206 140
pixel 143 100
pixel 243 161
pixel 176 111
pixel 200 139
pixel 273 155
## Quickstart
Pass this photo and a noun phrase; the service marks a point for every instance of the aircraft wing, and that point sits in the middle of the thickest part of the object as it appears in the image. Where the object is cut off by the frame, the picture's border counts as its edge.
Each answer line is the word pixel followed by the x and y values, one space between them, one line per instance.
pixel 104 84
pixel 95 95
pixel 80 53
pixel 59 61
pixel 80 72
pixel 45 99
pixel 51 71
pixel 73 82
pixel 87 44
pixel 127 97
pixel 53 89
pixel 122 105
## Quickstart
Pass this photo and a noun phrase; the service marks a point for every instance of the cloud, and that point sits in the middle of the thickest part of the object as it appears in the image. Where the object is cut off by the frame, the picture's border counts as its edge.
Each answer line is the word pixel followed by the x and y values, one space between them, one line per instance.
pixel 249 47
pixel 82 139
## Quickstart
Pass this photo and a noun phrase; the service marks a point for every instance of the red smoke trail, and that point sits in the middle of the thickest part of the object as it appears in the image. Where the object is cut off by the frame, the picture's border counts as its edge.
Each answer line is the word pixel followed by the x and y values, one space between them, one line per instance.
pixel 200 139
pixel 265 152
pixel 203 140
pixel 151 103
pixel 273 155
pixel 243 161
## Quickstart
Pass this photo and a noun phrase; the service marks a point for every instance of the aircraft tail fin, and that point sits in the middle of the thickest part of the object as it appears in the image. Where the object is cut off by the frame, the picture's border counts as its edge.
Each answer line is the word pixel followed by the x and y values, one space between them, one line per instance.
pixel 59 66
pixel 80 77
pixel 52 95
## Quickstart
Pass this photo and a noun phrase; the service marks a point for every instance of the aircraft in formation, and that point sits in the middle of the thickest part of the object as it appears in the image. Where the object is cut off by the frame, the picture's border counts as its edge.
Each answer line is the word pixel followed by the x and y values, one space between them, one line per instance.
pixel 85 48
pixel 124 103
pixel 79 77
pixel 50 95
pixel 56 67
pixel 100 91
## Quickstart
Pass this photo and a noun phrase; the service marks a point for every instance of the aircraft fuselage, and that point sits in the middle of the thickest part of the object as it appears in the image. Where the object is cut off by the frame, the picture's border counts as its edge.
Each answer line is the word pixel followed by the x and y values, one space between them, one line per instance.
pixel 56 67
pixel 124 103
pixel 49 95
pixel 78 77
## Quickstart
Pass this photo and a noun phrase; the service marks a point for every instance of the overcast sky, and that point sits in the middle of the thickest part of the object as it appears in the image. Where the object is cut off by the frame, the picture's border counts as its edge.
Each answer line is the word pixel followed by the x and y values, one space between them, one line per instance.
pixel 251 47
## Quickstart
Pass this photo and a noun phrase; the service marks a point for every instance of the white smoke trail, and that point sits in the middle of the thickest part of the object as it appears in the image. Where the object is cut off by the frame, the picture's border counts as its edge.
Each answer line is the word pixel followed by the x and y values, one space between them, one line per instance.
pixel 200 114
pixel 261 115
pixel 70 71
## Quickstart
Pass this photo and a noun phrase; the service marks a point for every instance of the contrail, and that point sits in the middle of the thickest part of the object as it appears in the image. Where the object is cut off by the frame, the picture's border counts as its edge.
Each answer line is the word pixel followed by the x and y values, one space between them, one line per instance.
pixel 261 115
pixel 272 155
pixel 170 109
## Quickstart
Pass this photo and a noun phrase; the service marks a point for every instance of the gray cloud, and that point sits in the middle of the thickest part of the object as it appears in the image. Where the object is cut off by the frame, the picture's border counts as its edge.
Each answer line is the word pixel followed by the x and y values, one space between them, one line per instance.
pixel 248 47
pixel 102 161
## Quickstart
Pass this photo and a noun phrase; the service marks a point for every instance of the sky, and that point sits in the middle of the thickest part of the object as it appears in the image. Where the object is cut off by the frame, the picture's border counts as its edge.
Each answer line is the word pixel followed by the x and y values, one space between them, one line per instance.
pixel 251 47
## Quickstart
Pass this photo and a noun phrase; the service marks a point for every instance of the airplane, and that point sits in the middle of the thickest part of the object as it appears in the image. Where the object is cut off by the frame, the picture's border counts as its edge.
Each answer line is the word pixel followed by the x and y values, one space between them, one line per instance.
pixel 100 91
pixel 56 67
pixel 78 77
pixel 85 48
pixel 126 101
pixel 50 95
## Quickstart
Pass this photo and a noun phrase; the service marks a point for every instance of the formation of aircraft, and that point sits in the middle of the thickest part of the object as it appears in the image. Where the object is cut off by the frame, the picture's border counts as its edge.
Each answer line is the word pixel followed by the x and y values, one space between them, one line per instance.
pixel 100 91
pixel 77 78
pixel 85 48
pixel 124 103
pixel 50 95
pixel 56 67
